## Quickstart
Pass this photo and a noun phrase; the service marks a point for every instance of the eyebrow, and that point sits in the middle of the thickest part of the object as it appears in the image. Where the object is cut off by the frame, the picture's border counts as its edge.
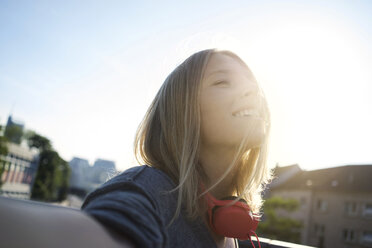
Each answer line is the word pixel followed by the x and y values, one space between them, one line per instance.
pixel 219 71
pixel 249 74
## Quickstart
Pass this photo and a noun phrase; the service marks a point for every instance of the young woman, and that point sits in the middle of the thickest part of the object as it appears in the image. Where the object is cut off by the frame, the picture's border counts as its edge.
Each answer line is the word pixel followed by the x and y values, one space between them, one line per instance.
pixel 203 138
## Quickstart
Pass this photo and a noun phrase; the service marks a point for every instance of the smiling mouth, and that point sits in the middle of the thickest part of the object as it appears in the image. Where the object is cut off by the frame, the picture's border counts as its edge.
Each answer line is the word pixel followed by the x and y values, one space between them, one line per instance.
pixel 246 112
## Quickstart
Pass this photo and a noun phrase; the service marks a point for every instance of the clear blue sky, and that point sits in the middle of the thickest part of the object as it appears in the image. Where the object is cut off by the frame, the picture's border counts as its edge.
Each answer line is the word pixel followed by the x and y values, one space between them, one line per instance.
pixel 82 73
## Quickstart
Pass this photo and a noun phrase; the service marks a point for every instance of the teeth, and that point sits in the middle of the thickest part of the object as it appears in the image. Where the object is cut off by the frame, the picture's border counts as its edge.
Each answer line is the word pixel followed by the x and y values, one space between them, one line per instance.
pixel 246 112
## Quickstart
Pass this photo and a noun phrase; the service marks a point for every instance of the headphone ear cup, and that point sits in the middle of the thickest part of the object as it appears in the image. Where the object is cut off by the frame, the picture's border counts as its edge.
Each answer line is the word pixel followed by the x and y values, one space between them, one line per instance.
pixel 231 218
pixel 233 221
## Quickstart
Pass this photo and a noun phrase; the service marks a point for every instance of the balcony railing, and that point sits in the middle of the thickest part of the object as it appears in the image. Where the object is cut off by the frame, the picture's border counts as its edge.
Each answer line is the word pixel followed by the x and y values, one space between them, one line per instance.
pixel 269 243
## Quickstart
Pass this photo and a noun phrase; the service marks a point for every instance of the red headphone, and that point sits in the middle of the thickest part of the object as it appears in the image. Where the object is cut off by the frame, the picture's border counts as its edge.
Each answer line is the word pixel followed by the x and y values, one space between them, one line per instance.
pixel 229 219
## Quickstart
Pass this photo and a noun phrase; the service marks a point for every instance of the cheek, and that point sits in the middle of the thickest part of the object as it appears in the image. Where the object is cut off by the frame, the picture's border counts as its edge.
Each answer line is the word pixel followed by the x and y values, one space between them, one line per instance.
pixel 215 122
pixel 222 129
pixel 214 129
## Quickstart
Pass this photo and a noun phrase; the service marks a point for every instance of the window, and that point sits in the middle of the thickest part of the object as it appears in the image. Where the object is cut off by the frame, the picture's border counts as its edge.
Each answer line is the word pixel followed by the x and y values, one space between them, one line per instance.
pixel 348 235
pixel 309 183
pixel 366 238
pixel 367 210
pixel 321 205
pixel 351 208
pixel 351 178
pixel 303 201
pixel 319 229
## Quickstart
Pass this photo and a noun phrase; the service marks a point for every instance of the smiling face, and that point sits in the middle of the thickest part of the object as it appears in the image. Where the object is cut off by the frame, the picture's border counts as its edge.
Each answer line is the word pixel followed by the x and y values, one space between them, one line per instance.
pixel 230 104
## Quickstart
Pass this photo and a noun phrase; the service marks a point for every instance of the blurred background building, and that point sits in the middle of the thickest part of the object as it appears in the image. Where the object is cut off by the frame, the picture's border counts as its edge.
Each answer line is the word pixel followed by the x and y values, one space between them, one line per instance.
pixel 20 152
pixel 19 168
pixel 335 204
pixel 84 177
pixel 18 165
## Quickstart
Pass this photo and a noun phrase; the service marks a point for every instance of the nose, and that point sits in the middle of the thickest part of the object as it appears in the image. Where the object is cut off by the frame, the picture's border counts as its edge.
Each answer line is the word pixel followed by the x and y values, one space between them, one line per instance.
pixel 251 89
pixel 253 93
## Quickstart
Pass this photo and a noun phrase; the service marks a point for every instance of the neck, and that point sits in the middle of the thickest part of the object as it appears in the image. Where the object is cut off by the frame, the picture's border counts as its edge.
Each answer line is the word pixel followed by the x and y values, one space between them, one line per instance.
pixel 215 162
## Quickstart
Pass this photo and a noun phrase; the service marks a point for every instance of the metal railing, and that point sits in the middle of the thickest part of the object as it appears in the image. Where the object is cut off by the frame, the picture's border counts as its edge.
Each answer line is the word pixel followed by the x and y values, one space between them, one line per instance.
pixel 269 243
pixel 15 194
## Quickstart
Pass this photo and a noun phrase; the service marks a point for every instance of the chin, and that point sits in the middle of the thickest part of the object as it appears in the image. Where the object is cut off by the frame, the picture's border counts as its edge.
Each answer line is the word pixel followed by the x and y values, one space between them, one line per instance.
pixel 254 144
pixel 255 140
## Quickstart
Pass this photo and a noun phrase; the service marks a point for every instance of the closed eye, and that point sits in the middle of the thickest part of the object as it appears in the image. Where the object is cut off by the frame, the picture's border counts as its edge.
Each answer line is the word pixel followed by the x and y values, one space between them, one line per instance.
pixel 221 83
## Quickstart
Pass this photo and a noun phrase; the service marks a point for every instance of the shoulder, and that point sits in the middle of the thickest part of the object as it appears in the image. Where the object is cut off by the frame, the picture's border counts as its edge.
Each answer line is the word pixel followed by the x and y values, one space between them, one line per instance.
pixel 139 203
pixel 141 179
pixel 129 205
pixel 142 174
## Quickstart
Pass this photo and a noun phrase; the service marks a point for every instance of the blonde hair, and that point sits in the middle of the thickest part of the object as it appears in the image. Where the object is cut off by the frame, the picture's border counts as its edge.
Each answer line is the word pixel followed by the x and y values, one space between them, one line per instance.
pixel 168 138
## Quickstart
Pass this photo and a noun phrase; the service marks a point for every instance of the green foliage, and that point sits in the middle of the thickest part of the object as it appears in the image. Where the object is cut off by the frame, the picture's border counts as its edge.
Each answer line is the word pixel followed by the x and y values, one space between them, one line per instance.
pixel 280 228
pixel 3 152
pixel 3 140
pixel 51 181
pixel 1 173
pixel 14 134
pixel 52 177
pixel 38 141
pixel 63 176
pixel 277 202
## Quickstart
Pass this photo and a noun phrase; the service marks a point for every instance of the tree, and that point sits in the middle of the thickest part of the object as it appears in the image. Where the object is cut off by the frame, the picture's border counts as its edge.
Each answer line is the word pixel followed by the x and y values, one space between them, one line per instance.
pixel 3 152
pixel 280 228
pixel 62 179
pixel 3 146
pixel 52 177
pixel 14 133
pixel 38 141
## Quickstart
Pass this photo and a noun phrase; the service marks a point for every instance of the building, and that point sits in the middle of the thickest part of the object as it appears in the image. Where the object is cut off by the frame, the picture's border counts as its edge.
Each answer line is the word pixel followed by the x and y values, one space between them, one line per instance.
pixel 103 170
pixel 79 169
pixel 14 130
pixel 335 205
pixel 84 178
pixel 283 173
pixel 105 164
pixel 18 168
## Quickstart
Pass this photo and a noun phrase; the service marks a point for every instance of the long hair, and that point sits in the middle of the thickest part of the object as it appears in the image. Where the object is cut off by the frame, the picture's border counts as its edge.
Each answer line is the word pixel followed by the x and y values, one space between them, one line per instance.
pixel 168 138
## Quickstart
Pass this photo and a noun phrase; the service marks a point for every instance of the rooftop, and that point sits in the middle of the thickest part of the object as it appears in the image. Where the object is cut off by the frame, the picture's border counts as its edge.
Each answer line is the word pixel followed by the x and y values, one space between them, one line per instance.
pixel 348 178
